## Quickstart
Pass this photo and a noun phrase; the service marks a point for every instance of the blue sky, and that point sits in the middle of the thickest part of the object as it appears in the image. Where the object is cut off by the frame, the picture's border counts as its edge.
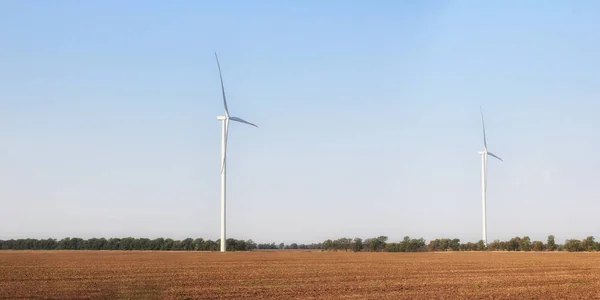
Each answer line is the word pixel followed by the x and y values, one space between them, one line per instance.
pixel 368 115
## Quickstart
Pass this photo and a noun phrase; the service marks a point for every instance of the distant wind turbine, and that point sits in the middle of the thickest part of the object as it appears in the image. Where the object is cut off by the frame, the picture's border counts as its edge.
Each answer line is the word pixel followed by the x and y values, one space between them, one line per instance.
pixel 484 155
pixel 225 120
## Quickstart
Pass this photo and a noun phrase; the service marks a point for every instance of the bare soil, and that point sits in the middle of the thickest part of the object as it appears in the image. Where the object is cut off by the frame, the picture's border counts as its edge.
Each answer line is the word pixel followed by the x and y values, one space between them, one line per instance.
pixel 297 275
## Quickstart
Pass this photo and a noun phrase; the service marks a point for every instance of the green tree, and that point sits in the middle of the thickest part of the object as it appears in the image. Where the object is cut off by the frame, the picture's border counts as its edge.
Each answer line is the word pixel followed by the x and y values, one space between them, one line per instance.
pixel 157 244
pixel 454 244
pixel 417 245
pixel 357 245
pixel 145 244
pixel 177 245
pixel 199 244
pixel 187 244
pixel 168 244
pixel 250 245
pixel 233 245
pixel 346 243
pixel 551 245
pixel 64 244
pixel 494 246
pixel 588 244
pixel 328 245
pixel 126 244
pixel 380 242
pixel 211 245
pixel 573 245
pixel 434 245
pixel 404 245
pixel 525 244
pixel 514 244
pixel 392 247
pixel 113 244
pixel 469 246
pixel 538 246
pixel 480 246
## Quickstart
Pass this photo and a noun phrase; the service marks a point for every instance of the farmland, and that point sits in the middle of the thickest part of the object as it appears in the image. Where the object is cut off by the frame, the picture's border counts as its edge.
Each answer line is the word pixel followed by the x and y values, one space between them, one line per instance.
pixel 297 274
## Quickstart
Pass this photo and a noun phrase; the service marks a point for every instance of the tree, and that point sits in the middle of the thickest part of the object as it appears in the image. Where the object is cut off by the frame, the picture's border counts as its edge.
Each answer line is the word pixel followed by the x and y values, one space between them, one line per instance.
pixel 443 244
pixel 337 244
pixel 551 246
pixel 199 244
pixel 102 244
pixel 495 245
pixel 346 244
pixel 126 244
pixel 375 244
pixel 231 245
pixel 210 245
pixel 381 240
pixel 328 245
pixel 357 245
pixel 250 245
pixel 573 245
pixel 176 245
pixel 588 244
pixel 525 244
pixel 417 245
pixel 480 245
pixel 157 244
pixel 454 244
pixel 538 246
pixel 434 245
pixel 367 244
pixel 404 245
pixel 64 244
pixel 136 244
pixel 470 246
pixel 513 244
pixel 168 244
pixel 145 244
pixel 187 244
pixel 392 247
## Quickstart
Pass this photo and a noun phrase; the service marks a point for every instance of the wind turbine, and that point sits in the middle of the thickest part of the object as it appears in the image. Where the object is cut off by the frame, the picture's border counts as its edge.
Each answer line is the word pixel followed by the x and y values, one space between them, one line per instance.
pixel 484 154
pixel 225 122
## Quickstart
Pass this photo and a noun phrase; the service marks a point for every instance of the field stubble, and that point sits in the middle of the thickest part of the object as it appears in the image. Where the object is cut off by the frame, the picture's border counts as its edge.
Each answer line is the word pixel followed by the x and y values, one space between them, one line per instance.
pixel 297 274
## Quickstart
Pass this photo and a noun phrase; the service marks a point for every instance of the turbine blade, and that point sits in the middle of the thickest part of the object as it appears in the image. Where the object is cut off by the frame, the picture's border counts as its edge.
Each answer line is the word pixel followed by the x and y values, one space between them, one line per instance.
pixel 241 121
pixel 226 136
pixel 222 86
pixel 494 155
pixel 483 125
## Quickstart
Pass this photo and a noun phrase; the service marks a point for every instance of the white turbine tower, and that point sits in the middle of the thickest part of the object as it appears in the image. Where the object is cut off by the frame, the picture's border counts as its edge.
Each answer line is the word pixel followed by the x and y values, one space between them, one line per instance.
pixel 484 155
pixel 225 121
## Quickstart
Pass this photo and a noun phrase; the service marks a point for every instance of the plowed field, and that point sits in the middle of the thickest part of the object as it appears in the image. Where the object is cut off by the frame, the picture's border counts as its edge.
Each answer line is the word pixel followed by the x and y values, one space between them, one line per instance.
pixel 297 275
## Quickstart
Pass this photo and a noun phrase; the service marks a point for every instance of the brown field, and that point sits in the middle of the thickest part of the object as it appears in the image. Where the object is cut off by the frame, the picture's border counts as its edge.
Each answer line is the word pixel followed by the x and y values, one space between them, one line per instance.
pixel 297 275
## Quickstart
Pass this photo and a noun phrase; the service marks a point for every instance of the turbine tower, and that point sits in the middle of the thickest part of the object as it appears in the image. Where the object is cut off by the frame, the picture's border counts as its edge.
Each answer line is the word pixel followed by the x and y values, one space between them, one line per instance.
pixel 484 154
pixel 225 127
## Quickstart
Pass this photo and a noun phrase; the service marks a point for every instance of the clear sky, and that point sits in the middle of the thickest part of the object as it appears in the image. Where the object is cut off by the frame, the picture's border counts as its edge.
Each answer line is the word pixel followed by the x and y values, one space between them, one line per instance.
pixel 368 114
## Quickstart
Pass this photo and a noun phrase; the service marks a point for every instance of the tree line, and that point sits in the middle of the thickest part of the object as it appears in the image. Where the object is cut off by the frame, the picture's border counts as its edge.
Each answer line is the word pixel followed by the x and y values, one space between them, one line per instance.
pixel 380 244
pixel 376 244
pixel 127 243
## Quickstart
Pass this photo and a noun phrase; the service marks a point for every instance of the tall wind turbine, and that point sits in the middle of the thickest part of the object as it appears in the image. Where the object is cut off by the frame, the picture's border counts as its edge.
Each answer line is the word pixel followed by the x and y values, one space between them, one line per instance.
pixel 225 121
pixel 484 154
